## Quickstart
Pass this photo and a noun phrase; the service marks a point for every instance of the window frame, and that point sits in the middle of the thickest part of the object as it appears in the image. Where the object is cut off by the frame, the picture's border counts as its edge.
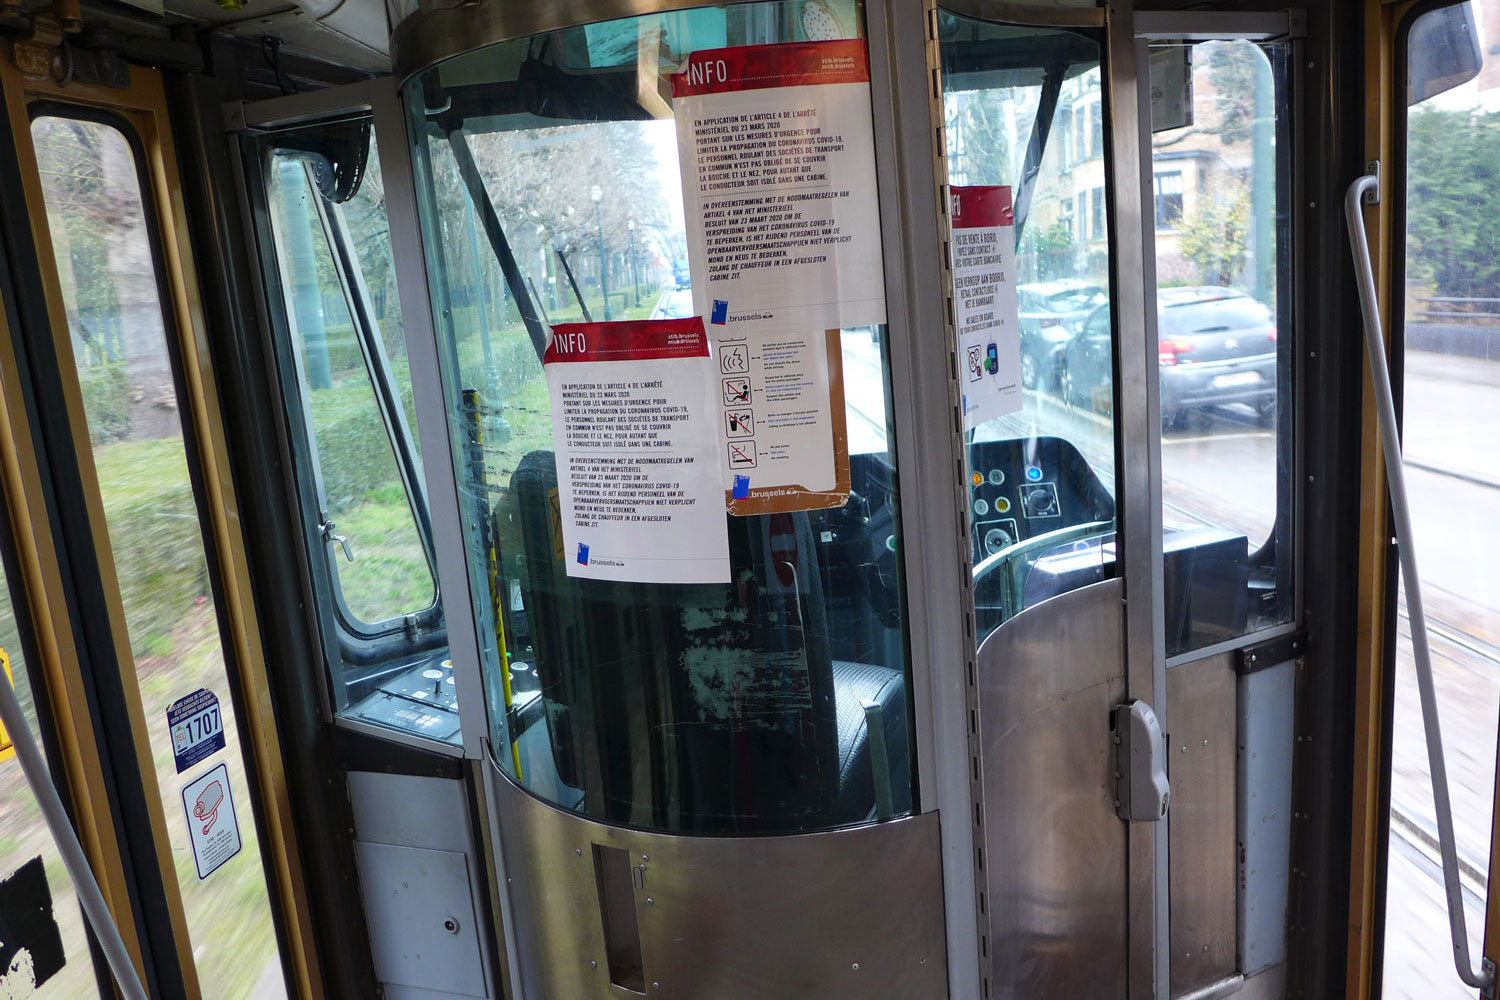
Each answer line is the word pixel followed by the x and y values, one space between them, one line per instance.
pixel 356 644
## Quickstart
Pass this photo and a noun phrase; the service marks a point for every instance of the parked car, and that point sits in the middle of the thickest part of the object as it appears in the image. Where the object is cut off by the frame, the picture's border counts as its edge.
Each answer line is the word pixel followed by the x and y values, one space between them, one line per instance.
pixel 1215 346
pixel 675 303
pixel 1050 313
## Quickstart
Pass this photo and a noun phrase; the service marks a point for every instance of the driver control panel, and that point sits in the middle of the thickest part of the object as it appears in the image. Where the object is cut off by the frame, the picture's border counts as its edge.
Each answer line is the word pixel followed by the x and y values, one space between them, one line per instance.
pixel 1023 487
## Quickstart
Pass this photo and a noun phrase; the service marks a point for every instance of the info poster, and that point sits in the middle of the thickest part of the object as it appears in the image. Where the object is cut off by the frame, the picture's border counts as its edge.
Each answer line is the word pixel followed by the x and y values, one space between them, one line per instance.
pixel 984 302
pixel 786 446
pixel 635 412
pixel 778 180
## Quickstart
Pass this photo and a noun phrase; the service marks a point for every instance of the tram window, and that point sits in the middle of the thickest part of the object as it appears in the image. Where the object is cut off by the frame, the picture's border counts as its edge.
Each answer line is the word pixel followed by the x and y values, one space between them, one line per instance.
pixel 100 231
pixel 343 351
pixel 26 841
pixel 380 562
pixel 1224 347
pixel 739 708
pixel 1445 317
pixel 1010 96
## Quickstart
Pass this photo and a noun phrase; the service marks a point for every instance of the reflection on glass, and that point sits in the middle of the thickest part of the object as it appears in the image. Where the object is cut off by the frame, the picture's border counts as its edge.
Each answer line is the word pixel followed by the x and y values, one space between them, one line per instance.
pixel 742 708
pixel 99 232
pixel 1450 412
pixel 24 838
pixel 1023 108
pixel 1223 348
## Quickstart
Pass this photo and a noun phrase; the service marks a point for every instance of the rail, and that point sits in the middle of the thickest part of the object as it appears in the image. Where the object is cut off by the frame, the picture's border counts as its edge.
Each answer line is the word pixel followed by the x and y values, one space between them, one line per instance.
pixel 1482 979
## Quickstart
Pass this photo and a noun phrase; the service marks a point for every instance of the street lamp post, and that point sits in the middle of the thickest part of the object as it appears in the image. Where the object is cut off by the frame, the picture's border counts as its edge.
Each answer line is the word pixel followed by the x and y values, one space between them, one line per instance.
pixel 635 275
pixel 597 193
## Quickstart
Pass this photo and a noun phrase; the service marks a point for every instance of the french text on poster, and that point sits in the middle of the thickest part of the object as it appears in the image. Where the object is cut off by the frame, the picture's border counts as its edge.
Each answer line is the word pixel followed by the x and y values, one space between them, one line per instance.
pixel 786 446
pixel 213 827
pixel 778 180
pixel 985 310
pixel 635 434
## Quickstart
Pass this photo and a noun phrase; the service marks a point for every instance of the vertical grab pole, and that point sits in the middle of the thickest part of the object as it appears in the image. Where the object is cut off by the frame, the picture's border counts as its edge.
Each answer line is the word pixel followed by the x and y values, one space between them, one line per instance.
pixel 89 896
pixel 1385 409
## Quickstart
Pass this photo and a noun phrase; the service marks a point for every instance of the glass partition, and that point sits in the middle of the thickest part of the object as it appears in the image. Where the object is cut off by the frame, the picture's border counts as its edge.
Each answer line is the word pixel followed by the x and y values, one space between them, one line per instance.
pixel 1225 338
pixel 1023 111
pixel 548 174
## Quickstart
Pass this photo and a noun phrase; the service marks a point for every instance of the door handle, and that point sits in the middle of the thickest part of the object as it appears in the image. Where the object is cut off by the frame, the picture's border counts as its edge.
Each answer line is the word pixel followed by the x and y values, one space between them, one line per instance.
pixel 1142 792
pixel 1367 189
pixel 333 538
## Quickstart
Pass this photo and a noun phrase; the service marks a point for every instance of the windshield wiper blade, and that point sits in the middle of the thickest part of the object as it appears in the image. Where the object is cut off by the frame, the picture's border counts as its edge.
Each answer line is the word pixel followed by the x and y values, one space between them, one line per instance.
pixel 511 271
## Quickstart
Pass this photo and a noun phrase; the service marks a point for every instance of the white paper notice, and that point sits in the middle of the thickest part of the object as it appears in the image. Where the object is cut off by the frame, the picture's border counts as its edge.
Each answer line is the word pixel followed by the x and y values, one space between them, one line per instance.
pixel 784 449
pixel 984 303
pixel 778 180
pixel 212 825
pixel 635 413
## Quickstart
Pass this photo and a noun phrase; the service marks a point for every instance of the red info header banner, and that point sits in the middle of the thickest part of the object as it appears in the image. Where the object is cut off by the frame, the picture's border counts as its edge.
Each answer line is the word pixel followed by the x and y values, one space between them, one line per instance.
pixel 628 340
pixel 980 206
pixel 761 67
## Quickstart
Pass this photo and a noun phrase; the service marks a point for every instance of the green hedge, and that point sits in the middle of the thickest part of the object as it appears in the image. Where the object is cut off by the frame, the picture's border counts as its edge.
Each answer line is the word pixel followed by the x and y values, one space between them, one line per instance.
pixel 106 400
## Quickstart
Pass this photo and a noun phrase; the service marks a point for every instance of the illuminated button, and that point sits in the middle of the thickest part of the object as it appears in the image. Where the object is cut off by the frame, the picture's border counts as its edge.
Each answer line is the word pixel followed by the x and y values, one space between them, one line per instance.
pixel 433 674
pixel 997 477
pixel 981 508
pixel 977 479
pixel 1002 505
pixel 449 663
pixel 1033 473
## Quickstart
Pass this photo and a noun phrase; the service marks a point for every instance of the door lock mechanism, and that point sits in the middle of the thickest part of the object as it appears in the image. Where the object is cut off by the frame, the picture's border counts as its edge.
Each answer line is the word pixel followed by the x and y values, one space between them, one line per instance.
pixel 1142 792
pixel 332 537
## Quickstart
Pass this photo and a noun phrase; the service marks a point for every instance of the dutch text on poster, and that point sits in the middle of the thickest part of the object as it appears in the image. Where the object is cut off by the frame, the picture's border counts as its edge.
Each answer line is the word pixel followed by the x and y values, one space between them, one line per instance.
pixel 213 827
pixel 785 443
pixel 634 424
pixel 985 311
pixel 778 179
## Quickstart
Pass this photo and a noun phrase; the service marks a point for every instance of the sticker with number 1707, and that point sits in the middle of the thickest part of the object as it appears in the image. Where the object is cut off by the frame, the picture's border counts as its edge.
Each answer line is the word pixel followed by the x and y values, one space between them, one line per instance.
pixel 197 728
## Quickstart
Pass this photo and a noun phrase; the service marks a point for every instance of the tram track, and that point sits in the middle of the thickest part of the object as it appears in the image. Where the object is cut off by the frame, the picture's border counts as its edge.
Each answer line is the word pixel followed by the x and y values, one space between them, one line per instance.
pixel 1414 827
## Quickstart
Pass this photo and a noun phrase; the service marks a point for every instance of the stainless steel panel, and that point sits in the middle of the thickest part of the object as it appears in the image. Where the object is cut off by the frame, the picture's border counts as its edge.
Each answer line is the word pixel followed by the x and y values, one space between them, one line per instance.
pixel 1266 703
pixel 1267 985
pixel 418 904
pixel 852 913
pixel 1138 423
pixel 930 454
pixel 409 811
pixel 1054 850
pixel 1202 750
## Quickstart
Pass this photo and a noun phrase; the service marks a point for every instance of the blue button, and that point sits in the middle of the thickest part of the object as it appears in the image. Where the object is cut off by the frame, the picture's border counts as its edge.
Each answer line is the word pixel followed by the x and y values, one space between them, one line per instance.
pixel 1033 473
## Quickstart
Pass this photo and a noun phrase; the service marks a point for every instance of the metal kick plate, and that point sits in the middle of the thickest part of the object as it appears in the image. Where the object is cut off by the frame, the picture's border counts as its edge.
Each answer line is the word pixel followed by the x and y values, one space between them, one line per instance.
pixel 1054 850
pixel 854 913
pixel 422 927
pixel 1202 752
